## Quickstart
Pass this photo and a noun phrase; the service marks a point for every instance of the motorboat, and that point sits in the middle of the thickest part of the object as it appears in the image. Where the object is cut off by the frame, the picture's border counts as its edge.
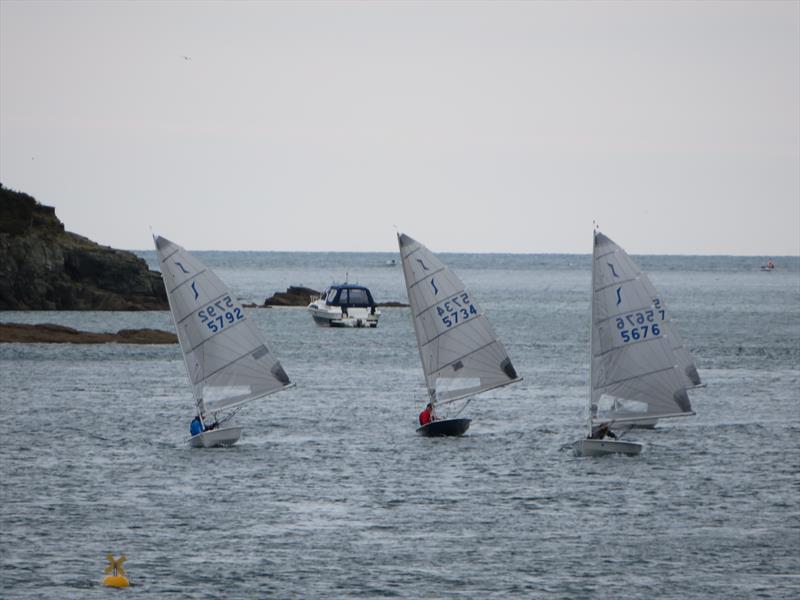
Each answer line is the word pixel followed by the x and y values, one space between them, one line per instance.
pixel 345 305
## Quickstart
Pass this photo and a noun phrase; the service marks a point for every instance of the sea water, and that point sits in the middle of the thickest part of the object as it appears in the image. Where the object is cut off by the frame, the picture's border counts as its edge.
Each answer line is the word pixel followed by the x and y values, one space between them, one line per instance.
pixel 331 494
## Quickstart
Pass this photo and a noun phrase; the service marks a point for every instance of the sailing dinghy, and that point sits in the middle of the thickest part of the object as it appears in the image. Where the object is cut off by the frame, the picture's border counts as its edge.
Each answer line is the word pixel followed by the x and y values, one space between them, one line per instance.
pixel 461 355
pixel 226 356
pixel 640 369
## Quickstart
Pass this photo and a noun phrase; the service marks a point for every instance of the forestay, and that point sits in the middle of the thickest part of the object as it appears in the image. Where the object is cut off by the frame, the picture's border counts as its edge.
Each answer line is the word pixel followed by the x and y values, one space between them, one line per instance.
pixel 226 356
pixel 638 359
pixel 461 356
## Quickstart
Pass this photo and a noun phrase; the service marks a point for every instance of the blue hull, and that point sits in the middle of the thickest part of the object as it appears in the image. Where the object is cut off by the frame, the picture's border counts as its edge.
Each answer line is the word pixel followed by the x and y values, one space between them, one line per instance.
pixel 449 427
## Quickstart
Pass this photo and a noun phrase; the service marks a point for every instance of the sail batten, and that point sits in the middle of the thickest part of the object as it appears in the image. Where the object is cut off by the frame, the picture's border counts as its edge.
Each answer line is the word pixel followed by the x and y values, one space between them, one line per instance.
pixel 638 362
pixel 227 358
pixel 459 351
pixel 182 283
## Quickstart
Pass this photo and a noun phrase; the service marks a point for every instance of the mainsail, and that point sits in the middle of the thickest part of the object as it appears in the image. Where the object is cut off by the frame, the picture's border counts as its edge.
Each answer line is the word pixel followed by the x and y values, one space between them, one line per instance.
pixel 226 356
pixel 638 360
pixel 461 356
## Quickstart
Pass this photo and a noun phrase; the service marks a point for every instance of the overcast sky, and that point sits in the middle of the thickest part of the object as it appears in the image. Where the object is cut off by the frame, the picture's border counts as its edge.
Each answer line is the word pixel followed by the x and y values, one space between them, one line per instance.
pixel 471 126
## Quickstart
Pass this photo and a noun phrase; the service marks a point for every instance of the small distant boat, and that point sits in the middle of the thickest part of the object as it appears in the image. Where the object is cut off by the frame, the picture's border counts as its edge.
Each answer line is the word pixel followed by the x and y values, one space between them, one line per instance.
pixel 345 305
pixel 768 267
pixel 640 370
pixel 226 356
pixel 390 263
pixel 461 355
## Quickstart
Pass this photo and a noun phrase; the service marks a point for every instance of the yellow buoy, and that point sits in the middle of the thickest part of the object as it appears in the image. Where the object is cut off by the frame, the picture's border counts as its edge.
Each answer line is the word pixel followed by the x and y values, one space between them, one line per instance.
pixel 115 581
pixel 118 578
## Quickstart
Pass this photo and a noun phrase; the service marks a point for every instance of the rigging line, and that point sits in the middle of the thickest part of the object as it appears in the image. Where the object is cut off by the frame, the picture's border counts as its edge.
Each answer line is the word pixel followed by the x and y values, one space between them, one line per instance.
pixel 189 314
pixel 480 391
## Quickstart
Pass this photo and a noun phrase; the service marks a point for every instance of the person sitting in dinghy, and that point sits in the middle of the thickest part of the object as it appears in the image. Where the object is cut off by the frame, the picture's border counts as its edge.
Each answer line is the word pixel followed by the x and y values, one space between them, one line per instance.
pixel 426 416
pixel 601 431
pixel 197 426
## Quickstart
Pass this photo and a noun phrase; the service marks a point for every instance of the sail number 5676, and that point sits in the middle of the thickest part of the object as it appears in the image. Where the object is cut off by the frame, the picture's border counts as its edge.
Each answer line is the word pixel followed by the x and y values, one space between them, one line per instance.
pixel 456 309
pixel 220 314
pixel 638 325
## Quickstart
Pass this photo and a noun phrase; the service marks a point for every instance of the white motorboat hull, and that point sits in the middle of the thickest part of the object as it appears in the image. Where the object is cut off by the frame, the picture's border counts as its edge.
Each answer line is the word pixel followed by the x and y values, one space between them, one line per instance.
pixel 213 438
pixel 589 447
pixel 335 318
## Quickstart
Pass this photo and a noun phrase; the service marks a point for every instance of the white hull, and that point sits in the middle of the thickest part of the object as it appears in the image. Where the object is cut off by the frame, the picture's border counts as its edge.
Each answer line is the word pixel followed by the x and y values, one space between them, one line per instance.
pixel 223 436
pixel 333 317
pixel 604 447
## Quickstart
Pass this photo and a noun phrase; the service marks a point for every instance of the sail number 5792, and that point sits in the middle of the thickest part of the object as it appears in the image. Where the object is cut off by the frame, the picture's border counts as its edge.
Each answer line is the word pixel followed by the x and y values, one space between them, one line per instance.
pixel 456 309
pixel 220 314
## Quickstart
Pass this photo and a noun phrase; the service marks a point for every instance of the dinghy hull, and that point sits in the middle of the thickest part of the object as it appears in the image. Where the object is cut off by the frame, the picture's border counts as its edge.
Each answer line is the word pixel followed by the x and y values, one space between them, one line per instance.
pixel 445 427
pixel 605 447
pixel 215 438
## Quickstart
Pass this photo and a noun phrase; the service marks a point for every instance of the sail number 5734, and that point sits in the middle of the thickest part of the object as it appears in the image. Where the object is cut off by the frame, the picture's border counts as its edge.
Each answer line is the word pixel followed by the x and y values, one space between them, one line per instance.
pixel 220 314
pixel 456 309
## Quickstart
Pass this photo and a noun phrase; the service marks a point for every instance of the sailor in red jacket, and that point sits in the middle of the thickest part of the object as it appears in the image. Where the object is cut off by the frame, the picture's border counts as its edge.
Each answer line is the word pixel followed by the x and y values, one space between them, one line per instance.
pixel 426 416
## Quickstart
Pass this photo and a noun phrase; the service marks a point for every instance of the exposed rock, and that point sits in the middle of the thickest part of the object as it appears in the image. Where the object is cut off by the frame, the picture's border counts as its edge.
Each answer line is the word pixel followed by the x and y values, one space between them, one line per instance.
pixel 43 267
pixel 293 296
pixel 59 334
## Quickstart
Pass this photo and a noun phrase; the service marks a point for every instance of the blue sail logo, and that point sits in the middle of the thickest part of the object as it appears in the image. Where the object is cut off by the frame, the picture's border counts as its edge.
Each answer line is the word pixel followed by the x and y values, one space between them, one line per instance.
pixel 435 289
pixel 181 266
pixel 194 289
pixel 613 272
pixel 619 296
pixel 419 260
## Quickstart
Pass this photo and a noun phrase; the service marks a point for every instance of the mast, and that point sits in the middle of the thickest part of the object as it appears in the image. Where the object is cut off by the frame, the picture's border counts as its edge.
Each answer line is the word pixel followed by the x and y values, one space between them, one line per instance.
pixel 431 392
pixel 591 333
pixel 198 401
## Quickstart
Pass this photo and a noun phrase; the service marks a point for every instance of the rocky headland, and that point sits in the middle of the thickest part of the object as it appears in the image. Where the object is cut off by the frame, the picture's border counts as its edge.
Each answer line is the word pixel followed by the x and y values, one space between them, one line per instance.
pixel 59 334
pixel 44 267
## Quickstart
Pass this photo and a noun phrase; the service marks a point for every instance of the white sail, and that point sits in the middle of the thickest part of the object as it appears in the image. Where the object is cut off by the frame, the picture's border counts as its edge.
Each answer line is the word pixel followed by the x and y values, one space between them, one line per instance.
pixel 226 356
pixel 461 356
pixel 639 363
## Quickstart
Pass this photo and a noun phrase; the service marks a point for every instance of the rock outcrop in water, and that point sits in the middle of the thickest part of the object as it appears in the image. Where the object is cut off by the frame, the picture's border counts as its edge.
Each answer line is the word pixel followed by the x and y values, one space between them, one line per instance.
pixel 44 267
pixel 59 334
pixel 293 296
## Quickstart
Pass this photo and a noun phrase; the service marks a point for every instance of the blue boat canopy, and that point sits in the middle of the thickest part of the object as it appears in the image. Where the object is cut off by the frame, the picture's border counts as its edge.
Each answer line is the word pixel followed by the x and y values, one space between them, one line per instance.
pixel 348 295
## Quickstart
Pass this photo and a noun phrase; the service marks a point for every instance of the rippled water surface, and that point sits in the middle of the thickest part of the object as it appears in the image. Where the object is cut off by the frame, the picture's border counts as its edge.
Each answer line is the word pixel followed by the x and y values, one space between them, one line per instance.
pixel 331 494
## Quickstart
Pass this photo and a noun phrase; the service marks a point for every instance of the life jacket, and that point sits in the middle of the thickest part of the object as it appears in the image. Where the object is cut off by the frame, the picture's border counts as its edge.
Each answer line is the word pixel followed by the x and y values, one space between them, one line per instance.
pixel 196 427
pixel 425 417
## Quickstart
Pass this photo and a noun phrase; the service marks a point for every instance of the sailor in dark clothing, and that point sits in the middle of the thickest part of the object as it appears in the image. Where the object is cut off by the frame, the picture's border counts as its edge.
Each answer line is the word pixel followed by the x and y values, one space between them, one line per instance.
pixel 601 431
